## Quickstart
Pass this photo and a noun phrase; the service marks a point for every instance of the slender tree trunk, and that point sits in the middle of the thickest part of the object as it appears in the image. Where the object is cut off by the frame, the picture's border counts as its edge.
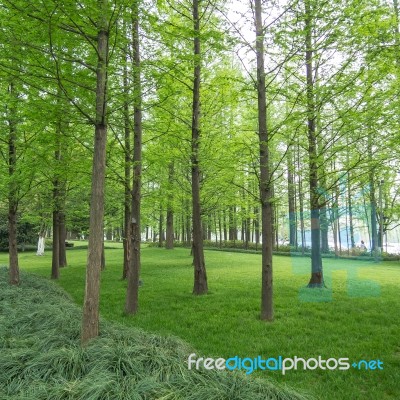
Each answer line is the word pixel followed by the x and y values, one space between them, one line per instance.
pixel 257 226
pixel 200 276
pixel 209 228
pixel 169 242
pixel 335 225
pixel 59 194
pixel 55 262
pixel 232 223
pixel 12 189
pixel 219 228
pixel 183 231
pixel 291 199
pixel 12 243
pixel 276 227
pixel 265 179
pixel 188 225
pixel 248 232
pixel 350 203
pixel 372 199
pixel 337 194
pixel 317 279
pixel 224 225
pixel 62 237
pixel 301 204
pixel 127 240
pixel 161 228
pixel 103 258
pixel 132 293
pixel 90 318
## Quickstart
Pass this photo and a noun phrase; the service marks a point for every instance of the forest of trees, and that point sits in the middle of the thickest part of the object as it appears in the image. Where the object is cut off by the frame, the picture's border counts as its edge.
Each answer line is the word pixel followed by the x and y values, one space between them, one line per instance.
pixel 256 124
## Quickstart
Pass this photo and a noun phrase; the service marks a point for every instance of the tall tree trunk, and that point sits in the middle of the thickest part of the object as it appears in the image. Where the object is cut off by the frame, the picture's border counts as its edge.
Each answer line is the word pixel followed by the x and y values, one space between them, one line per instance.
pixel 59 193
pixel 188 225
pixel 350 205
pixel 132 293
pixel 232 223
pixel 335 224
pixel 12 188
pixel 257 226
pixel 169 240
pixel 62 237
pixel 301 204
pixel 317 279
pixel 265 178
pixel 372 199
pixel 55 262
pixel 90 318
pixel 224 225
pixel 161 228
pixel 219 228
pixel 248 232
pixel 291 199
pixel 200 285
pixel 127 239
pixel 209 228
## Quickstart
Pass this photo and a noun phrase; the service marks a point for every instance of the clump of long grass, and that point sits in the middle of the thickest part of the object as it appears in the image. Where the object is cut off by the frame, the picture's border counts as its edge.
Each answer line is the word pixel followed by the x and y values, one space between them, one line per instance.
pixel 41 356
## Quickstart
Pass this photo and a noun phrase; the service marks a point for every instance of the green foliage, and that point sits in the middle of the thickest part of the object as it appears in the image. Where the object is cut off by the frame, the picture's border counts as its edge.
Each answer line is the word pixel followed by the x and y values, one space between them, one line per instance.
pixel 27 233
pixel 41 356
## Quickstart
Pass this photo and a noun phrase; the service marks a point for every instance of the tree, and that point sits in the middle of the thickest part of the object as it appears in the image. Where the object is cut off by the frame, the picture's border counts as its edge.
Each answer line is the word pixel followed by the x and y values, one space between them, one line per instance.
pixel 90 318
pixel 200 276
pixel 131 304
pixel 265 178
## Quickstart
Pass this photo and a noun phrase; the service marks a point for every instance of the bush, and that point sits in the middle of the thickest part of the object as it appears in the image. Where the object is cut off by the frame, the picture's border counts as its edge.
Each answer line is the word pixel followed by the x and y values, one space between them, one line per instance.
pixel 26 234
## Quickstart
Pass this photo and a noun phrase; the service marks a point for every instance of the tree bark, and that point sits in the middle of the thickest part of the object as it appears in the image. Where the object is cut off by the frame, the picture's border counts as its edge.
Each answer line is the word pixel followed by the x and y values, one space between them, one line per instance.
pixel 265 178
pixel 127 238
pixel 224 225
pixel 55 262
pixel 12 189
pixel 62 237
pixel 169 240
pixel 232 223
pixel 132 293
pixel 90 317
pixel 372 200
pixel 291 200
pixel 200 285
pixel 161 228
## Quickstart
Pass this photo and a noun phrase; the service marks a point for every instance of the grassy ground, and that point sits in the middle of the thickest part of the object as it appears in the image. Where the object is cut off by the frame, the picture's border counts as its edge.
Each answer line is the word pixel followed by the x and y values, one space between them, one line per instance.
pixel 357 316
pixel 41 357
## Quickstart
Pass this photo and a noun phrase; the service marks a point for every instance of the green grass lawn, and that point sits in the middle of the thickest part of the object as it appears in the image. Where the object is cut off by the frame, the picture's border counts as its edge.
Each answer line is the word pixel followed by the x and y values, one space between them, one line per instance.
pixel 357 316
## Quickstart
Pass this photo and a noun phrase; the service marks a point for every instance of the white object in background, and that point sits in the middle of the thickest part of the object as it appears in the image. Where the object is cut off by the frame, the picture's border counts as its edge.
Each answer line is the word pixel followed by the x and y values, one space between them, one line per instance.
pixel 40 247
